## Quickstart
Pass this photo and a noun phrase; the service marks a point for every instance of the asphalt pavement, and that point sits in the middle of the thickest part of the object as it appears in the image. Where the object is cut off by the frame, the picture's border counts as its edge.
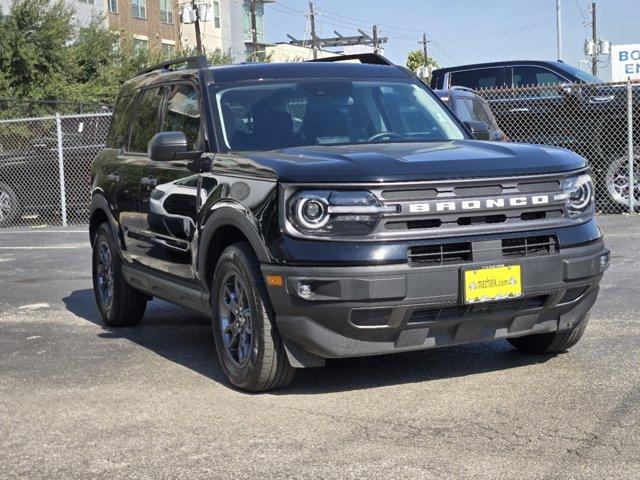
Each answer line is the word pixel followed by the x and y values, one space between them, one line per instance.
pixel 81 400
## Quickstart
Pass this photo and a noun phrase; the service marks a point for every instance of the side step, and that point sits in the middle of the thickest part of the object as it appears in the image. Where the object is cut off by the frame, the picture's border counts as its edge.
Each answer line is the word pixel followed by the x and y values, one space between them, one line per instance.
pixel 180 293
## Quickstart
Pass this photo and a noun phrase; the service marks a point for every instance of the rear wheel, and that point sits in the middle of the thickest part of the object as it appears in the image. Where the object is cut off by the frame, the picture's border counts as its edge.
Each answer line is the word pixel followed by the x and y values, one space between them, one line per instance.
pixel 9 205
pixel 248 344
pixel 554 342
pixel 119 304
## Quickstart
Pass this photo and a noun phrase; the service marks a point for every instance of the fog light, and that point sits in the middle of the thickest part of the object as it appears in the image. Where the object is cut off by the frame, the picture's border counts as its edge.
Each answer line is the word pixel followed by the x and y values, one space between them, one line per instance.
pixel 304 290
pixel 604 261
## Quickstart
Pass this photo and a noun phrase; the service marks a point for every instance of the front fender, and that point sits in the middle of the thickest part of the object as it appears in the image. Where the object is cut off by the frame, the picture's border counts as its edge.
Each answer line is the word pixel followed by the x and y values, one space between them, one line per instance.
pixel 233 214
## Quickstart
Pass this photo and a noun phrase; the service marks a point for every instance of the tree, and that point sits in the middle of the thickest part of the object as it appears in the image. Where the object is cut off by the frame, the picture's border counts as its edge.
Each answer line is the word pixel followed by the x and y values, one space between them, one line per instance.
pixel 46 55
pixel 33 38
pixel 415 60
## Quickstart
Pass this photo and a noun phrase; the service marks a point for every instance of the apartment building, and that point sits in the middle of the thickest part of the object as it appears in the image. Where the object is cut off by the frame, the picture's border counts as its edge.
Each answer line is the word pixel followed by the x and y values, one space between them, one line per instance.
pixel 229 29
pixel 148 24
pixel 85 9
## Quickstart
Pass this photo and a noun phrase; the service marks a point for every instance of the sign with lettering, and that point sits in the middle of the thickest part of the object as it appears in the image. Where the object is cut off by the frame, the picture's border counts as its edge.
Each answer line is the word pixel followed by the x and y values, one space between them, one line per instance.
pixel 625 62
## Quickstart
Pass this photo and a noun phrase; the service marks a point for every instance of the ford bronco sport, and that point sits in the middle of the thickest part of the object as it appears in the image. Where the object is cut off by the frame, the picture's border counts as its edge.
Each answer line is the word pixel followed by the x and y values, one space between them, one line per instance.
pixel 329 209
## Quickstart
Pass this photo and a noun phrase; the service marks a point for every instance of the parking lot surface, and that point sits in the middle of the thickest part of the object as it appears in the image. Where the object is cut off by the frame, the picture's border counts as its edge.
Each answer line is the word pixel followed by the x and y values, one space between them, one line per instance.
pixel 81 400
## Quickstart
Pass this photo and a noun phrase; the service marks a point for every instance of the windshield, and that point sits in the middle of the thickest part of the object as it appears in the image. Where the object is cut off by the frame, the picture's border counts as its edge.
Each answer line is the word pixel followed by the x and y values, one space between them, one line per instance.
pixel 581 74
pixel 331 112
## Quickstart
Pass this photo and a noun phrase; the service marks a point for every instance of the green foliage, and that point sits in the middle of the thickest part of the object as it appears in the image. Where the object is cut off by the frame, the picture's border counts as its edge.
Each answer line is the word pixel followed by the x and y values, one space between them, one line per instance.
pixel 415 60
pixel 45 55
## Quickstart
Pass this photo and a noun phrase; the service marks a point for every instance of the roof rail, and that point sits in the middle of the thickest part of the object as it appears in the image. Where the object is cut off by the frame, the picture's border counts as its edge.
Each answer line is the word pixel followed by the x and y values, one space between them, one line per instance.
pixel 371 58
pixel 199 61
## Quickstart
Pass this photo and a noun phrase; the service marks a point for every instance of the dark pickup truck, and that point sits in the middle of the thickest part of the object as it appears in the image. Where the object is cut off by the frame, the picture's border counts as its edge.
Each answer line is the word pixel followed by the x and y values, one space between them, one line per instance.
pixel 324 210
pixel 552 103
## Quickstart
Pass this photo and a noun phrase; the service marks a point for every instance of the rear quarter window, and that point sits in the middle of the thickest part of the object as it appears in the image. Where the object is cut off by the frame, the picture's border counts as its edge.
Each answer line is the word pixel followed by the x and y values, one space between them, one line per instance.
pixel 119 122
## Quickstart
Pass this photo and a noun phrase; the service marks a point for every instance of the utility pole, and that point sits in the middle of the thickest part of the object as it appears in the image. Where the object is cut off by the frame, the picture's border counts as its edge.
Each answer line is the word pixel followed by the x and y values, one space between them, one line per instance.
pixel 194 5
pixel 312 20
pixel 594 38
pixel 375 39
pixel 254 29
pixel 424 43
pixel 559 28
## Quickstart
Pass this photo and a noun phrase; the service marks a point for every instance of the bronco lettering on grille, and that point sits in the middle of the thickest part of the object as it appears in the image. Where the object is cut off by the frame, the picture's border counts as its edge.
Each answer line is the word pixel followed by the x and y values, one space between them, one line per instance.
pixel 481 204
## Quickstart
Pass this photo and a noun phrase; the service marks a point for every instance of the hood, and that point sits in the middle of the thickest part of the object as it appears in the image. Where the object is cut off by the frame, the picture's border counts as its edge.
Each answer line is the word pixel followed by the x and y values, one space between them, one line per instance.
pixel 402 161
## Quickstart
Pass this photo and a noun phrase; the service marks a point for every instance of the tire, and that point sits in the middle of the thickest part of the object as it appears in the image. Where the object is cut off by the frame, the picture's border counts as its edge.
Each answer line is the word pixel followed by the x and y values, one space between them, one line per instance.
pixel 123 306
pixel 555 342
pixel 617 182
pixel 248 344
pixel 9 205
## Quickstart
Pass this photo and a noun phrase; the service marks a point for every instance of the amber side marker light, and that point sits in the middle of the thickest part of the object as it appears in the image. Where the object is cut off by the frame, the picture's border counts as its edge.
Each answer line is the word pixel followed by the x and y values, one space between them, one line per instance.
pixel 275 280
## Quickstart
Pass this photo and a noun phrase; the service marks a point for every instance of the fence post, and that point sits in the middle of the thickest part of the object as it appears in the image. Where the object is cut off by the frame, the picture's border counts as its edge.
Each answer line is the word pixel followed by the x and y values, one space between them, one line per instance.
pixel 632 192
pixel 63 194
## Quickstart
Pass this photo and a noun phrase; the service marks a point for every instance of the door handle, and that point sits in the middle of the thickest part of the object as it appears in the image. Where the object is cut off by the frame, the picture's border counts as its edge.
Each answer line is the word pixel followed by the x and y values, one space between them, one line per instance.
pixel 519 110
pixel 113 178
pixel 149 181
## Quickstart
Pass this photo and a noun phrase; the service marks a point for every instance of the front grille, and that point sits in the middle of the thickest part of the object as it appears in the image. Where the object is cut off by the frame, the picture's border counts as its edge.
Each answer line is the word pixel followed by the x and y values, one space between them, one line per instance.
pixel 460 206
pixel 459 312
pixel 529 246
pixel 444 254
pixel 180 204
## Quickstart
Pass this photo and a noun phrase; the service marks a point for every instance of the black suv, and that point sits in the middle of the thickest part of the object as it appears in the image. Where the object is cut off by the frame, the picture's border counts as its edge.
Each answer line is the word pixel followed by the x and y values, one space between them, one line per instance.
pixel 510 73
pixel 552 103
pixel 324 209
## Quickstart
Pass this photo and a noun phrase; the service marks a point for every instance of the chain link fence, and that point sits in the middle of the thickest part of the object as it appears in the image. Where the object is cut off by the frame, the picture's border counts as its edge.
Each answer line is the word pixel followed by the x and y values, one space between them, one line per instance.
pixel 45 166
pixel 601 122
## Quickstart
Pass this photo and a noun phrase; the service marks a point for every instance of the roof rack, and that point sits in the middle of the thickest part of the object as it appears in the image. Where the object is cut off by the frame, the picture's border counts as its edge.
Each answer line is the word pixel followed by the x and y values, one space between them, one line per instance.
pixel 199 61
pixel 371 58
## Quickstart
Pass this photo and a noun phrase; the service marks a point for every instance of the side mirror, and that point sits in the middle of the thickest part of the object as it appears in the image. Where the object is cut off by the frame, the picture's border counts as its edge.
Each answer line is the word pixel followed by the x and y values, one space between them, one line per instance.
pixel 165 146
pixel 479 130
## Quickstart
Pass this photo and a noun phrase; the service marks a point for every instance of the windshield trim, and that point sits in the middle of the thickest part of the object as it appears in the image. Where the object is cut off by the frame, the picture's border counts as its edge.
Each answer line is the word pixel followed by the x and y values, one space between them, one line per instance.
pixel 224 145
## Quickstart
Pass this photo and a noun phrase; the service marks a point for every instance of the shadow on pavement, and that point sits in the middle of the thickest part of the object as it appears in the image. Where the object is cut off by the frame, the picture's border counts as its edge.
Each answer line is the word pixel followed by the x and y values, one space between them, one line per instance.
pixel 185 338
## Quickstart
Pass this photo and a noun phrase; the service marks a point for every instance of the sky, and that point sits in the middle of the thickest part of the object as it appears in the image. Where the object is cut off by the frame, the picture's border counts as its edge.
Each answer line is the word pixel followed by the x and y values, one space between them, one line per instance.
pixel 464 31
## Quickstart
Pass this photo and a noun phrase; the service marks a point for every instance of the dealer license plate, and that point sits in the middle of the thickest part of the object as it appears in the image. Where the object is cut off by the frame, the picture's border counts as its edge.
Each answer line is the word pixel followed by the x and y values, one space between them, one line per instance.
pixel 491 283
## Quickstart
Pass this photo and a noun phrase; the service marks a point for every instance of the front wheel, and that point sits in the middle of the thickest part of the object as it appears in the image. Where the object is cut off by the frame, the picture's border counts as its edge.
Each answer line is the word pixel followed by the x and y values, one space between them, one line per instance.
pixel 554 342
pixel 248 344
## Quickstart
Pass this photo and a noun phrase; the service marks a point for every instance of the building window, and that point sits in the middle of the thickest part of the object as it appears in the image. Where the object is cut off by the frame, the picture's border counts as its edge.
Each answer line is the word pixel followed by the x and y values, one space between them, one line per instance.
pixel 113 6
pixel 140 45
pixel 216 14
pixel 168 49
pixel 166 12
pixel 139 9
pixel 88 2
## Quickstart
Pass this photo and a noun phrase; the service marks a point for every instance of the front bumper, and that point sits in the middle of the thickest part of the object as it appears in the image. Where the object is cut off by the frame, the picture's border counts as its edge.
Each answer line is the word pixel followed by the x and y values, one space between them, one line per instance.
pixel 370 310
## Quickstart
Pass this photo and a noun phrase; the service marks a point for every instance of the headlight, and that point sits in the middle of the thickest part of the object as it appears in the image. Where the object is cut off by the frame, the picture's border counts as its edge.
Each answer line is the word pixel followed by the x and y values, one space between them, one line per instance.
pixel 335 212
pixel 578 193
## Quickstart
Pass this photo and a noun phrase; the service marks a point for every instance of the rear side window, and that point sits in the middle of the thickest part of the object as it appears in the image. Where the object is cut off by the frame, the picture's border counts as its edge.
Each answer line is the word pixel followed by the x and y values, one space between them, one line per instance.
pixel 119 122
pixel 535 76
pixel 145 121
pixel 478 79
